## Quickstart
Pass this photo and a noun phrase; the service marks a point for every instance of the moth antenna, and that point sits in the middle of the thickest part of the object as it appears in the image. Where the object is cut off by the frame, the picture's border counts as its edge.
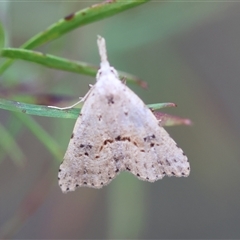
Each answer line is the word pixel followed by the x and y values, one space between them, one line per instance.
pixel 102 51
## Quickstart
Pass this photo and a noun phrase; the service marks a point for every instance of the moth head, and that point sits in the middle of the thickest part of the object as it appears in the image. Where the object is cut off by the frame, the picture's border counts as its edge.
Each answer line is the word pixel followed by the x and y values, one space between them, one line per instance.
pixel 106 71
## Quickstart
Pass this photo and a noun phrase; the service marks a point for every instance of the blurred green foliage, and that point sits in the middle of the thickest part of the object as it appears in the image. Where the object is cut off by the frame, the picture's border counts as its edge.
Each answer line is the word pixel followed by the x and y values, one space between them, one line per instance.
pixel 166 43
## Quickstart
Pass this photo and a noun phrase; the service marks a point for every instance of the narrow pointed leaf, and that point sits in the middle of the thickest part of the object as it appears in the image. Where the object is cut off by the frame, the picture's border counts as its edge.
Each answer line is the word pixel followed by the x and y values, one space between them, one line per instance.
pixel 38 110
pixel 61 63
pixel 78 19
pixel 9 145
pixel 46 111
pixel 42 135
pixel 2 36
pixel 157 106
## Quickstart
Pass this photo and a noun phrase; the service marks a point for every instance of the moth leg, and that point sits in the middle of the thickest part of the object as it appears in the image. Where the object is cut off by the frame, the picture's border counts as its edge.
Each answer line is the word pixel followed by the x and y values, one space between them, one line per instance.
pixel 124 80
pixel 81 99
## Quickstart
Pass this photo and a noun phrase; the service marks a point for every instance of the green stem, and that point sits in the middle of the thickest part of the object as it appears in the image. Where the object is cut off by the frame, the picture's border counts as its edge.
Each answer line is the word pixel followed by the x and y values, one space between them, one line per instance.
pixel 45 111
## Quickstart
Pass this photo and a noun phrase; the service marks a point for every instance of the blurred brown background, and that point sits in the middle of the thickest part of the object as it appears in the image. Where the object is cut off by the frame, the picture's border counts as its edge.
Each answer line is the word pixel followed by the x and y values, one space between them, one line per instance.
pixel 189 53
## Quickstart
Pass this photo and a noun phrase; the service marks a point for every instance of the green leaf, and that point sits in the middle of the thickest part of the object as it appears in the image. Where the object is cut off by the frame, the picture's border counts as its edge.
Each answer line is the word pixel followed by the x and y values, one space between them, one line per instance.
pixel 156 106
pixel 42 135
pixel 38 110
pixel 13 129
pixel 62 63
pixel 75 20
pixel 10 146
pixel 73 113
pixel 2 37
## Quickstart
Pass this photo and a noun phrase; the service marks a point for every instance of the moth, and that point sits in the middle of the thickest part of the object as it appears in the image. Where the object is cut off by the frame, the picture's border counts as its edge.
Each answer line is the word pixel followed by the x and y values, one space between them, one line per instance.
pixel 115 132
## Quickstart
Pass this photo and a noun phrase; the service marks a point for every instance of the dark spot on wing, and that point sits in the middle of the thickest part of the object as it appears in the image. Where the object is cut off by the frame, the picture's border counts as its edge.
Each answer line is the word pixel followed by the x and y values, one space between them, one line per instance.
pixel 86 154
pixel 152 145
pixel 168 163
pixel 148 138
pixel 110 99
pixel 117 170
pixel 81 145
pixel 72 135
pixel 118 138
pixel 107 141
pixel 126 139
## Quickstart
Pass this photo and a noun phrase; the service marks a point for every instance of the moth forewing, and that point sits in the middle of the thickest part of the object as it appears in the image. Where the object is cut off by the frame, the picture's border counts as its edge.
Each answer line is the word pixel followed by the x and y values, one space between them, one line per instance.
pixel 115 131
